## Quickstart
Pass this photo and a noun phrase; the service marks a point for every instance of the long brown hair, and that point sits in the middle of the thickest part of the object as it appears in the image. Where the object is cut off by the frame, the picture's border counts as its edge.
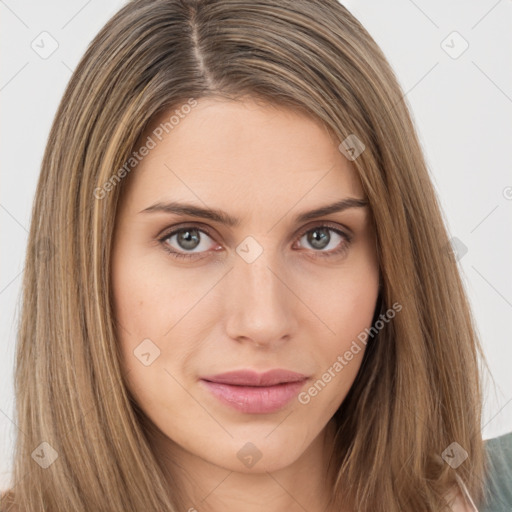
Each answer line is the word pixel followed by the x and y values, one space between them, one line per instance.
pixel 418 389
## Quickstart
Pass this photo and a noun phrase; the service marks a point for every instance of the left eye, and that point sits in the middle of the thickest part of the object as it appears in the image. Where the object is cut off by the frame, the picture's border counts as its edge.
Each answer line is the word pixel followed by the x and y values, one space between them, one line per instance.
pixel 320 238
pixel 191 241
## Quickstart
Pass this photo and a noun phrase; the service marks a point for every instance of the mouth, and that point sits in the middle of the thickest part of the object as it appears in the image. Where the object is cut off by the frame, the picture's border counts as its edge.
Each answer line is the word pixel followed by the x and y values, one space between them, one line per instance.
pixel 253 393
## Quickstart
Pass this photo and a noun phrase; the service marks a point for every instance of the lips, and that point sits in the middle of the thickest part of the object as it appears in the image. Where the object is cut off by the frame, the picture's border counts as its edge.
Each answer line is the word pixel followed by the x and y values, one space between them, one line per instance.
pixel 252 378
pixel 255 393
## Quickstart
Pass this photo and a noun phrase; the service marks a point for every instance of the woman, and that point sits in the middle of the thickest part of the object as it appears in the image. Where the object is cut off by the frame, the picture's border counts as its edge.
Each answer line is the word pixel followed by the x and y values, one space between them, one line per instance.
pixel 239 290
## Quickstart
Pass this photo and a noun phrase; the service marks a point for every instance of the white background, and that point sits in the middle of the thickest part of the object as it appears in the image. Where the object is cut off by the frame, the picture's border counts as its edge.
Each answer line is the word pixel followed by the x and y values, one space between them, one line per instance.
pixel 462 108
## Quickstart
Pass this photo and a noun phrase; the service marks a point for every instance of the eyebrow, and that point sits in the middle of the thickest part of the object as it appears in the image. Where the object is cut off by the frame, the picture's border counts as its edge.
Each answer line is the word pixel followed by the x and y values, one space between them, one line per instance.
pixel 224 218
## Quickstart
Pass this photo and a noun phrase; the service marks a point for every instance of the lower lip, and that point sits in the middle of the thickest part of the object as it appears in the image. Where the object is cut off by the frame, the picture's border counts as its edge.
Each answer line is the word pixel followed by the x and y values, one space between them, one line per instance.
pixel 255 400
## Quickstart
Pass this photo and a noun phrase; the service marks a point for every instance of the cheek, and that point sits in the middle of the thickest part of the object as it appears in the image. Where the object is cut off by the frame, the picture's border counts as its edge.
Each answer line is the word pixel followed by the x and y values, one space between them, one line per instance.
pixel 154 305
pixel 345 303
pixel 348 310
pixel 136 301
pixel 147 303
pixel 344 298
pixel 140 310
pixel 149 296
pixel 350 307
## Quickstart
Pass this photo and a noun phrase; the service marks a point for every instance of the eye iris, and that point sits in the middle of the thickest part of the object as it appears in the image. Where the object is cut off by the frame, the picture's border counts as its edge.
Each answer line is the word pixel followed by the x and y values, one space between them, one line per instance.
pixel 188 238
pixel 321 241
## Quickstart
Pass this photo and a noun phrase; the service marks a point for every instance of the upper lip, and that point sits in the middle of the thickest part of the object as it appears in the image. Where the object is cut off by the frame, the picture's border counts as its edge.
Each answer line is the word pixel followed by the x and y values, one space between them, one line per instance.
pixel 253 378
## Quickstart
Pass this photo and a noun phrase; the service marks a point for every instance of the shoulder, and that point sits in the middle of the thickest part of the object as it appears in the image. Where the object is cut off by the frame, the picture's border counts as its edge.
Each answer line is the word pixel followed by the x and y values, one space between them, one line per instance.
pixel 498 479
pixel 498 483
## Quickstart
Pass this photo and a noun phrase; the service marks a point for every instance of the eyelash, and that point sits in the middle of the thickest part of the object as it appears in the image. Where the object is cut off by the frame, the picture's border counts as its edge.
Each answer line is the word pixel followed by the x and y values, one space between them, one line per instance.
pixel 322 254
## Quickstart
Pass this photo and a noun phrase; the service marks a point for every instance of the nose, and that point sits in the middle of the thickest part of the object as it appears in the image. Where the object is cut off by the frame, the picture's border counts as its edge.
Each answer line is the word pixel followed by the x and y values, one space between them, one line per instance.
pixel 259 306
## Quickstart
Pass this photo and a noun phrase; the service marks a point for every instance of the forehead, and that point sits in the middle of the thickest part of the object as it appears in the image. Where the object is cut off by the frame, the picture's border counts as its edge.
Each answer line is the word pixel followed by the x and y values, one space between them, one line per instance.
pixel 233 151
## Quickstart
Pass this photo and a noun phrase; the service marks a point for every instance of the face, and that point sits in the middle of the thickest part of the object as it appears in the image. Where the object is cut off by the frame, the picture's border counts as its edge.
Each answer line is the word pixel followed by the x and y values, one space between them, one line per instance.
pixel 249 283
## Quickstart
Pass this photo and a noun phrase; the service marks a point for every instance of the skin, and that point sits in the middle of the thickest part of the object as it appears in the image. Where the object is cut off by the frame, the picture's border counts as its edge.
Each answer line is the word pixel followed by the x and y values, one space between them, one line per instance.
pixel 290 308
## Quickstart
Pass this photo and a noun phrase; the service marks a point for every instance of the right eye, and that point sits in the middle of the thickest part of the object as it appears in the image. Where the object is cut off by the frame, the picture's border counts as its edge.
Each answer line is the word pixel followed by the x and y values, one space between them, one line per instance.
pixel 185 242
